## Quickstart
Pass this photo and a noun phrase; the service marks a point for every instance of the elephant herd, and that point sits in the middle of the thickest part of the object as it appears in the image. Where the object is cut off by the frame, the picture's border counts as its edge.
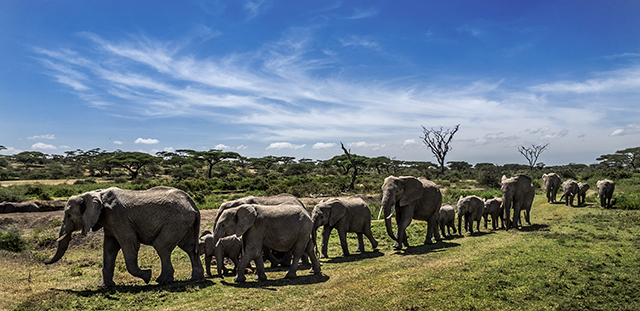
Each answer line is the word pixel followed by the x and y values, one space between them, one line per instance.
pixel 280 228
pixel 571 189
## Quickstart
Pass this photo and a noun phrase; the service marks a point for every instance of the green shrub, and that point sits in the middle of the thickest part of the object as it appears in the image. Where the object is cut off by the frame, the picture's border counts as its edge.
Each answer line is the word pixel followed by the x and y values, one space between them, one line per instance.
pixel 12 194
pixel 11 239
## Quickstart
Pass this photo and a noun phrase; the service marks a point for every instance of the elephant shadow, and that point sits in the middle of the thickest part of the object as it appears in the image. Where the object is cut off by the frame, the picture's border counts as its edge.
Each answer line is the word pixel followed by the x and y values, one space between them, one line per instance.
pixel 428 248
pixel 355 257
pixel 536 227
pixel 177 287
pixel 270 284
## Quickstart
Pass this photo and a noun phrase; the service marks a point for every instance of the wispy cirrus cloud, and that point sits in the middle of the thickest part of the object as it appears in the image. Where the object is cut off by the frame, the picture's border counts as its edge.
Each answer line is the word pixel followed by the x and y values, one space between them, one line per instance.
pixel 46 136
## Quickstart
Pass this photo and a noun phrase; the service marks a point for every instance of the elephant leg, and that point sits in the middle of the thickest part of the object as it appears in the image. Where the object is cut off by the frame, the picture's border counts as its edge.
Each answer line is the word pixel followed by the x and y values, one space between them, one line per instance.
pixel 526 217
pixel 315 263
pixel 360 248
pixel 110 250
pixel 166 274
pixel 442 229
pixel 432 231
pixel 403 219
pixel 197 273
pixel 342 234
pixel 486 218
pixel 207 262
pixel 369 235
pixel 270 257
pixel 326 232
pixel 250 253
pixel 130 253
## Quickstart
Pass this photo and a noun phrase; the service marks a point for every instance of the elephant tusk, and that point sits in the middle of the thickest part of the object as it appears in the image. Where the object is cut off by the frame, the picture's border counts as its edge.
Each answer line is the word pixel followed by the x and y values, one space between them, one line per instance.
pixel 62 237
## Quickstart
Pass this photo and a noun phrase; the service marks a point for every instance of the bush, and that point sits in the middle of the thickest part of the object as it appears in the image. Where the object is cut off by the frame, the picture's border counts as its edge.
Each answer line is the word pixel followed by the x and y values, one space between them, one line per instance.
pixel 12 194
pixel 11 239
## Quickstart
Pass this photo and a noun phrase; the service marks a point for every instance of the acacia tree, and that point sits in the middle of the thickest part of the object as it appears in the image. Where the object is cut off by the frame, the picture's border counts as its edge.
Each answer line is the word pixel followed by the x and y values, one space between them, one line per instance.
pixel 439 142
pixel 355 168
pixel 532 154
pixel 212 157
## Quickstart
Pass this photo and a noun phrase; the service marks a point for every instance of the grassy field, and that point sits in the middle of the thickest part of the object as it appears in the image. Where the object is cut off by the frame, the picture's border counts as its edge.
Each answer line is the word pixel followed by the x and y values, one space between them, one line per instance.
pixel 569 259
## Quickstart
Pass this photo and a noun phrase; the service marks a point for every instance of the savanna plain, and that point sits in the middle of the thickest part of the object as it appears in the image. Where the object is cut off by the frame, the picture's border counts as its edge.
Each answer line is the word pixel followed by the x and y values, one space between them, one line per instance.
pixel 570 258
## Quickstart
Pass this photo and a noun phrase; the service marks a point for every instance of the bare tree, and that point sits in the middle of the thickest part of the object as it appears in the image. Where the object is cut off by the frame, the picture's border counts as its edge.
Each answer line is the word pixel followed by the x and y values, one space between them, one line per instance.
pixel 532 154
pixel 438 141
pixel 355 168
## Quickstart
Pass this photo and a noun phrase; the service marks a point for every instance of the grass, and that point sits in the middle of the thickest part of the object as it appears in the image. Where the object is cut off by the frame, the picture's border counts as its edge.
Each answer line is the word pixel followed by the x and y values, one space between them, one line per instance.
pixel 569 259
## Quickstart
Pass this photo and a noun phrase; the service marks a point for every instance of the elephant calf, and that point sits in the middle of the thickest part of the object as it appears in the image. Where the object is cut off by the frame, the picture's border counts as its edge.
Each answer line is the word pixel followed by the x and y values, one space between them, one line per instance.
pixel 570 189
pixel 494 208
pixel 582 193
pixel 346 215
pixel 447 218
pixel 605 192
pixel 471 208
pixel 227 247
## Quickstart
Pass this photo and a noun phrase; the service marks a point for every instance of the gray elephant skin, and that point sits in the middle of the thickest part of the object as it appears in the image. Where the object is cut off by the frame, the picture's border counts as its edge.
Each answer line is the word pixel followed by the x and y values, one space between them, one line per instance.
pixel 493 207
pixel 470 208
pixel 283 198
pixel 22 207
pixel 162 217
pixel 283 228
pixel 570 189
pixel 345 215
pixel 605 192
pixel 227 247
pixel 552 184
pixel 412 198
pixel 582 193
pixel 517 193
pixel 447 219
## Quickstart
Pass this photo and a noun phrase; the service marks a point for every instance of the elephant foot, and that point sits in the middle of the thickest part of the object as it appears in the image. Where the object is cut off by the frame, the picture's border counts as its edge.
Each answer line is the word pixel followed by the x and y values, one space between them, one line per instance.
pixel 291 275
pixel 146 275
pixel 428 242
pixel 196 277
pixel 345 254
pixel 374 245
pixel 239 279
pixel 164 279
pixel 324 256
pixel 108 283
pixel 260 277
pixel 397 245
pixel 359 250
pixel 314 271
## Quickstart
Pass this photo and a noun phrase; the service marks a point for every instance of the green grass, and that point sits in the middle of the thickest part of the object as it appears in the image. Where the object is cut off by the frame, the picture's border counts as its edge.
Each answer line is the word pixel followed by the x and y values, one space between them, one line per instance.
pixel 569 259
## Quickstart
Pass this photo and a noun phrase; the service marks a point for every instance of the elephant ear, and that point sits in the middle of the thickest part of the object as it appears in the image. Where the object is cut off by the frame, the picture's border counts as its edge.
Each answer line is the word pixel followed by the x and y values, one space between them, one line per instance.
pixel 92 209
pixel 337 212
pixel 245 218
pixel 411 192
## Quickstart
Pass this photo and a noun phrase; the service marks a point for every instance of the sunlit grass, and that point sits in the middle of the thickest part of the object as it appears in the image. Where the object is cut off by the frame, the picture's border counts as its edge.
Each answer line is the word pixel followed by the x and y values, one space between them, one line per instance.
pixel 569 259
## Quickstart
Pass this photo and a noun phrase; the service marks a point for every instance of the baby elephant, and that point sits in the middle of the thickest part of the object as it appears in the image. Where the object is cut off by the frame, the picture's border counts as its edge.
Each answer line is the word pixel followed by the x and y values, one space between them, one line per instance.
pixel 570 188
pixel 227 247
pixel 493 207
pixel 447 218
pixel 582 194
pixel 347 215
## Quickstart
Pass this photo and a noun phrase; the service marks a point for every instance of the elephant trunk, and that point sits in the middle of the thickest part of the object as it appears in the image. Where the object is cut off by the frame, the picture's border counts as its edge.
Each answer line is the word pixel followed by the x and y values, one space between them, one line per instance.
pixel 63 244
pixel 460 222
pixel 387 203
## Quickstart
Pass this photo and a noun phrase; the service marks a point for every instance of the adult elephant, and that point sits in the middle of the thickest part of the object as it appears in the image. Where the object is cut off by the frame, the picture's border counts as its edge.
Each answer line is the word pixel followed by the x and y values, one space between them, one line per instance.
pixel 346 215
pixel 552 184
pixel 605 192
pixel 517 194
pixel 582 193
pixel 283 198
pixel 283 228
pixel 413 198
pixel 471 208
pixel 162 217
pixel 570 189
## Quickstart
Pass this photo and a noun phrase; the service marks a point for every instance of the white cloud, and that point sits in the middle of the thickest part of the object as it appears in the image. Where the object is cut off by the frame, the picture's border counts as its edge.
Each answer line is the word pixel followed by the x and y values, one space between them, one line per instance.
pixel 117 142
pixel 629 129
pixel 47 136
pixel 362 144
pixel 43 146
pixel 148 141
pixel 284 145
pixel 323 145
pixel 494 138
pixel 363 13
pixel 10 151
pixel 411 143
pixel 256 8
pixel 221 147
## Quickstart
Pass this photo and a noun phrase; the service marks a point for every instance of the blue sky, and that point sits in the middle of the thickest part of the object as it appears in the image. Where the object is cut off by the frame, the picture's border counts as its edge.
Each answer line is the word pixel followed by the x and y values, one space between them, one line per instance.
pixel 296 78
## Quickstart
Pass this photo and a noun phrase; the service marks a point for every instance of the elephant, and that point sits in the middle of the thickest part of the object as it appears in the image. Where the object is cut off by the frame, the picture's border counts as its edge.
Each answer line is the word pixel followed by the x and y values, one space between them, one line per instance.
pixel 551 184
pixel 283 198
pixel 493 207
pixel 227 247
pixel 346 215
pixel 23 207
pixel 413 198
pixel 471 208
pixel 447 218
pixel 605 192
pixel 582 193
pixel 162 217
pixel 283 228
pixel 570 189
pixel 517 193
